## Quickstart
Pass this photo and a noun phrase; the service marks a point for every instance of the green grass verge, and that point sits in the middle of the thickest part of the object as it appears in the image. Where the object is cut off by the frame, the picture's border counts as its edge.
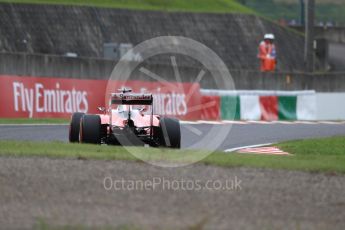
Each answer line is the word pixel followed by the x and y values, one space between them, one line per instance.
pixel 333 146
pixel 326 10
pixel 16 121
pixel 227 6
pixel 317 155
pixel 313 155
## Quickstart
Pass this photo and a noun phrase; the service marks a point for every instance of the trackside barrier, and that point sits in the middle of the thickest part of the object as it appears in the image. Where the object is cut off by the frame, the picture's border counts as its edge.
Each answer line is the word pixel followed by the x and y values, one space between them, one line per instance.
pixel 330 106
pixel 33 97
pixel 210 108
pixel 265 105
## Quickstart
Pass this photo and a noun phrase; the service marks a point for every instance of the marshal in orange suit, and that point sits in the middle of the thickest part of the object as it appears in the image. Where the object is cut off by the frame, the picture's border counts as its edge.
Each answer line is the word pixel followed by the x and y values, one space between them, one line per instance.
pixel 267 54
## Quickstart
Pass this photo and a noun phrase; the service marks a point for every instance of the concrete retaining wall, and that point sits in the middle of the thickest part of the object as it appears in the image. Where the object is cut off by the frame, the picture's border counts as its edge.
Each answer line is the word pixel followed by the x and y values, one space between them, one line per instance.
pixel 23 64
pixel 58 29
pixel 332 34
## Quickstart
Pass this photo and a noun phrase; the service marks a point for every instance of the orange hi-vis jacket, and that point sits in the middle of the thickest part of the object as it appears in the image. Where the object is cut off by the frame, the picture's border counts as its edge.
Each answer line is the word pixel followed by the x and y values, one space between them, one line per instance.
pixel 267 56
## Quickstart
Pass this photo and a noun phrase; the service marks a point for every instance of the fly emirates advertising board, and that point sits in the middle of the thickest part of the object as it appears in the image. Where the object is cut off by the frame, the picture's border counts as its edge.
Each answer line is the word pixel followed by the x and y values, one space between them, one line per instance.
pixel 33 97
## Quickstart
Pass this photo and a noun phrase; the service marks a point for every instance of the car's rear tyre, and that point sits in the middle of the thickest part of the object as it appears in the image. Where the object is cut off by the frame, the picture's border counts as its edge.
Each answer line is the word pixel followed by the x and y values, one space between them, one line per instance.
pixel 170 132
pixel 74 127
pixel 90 129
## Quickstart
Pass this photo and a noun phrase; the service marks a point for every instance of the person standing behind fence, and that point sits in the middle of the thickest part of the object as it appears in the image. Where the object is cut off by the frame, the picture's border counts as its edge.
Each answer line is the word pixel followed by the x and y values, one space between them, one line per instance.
pixel 267 54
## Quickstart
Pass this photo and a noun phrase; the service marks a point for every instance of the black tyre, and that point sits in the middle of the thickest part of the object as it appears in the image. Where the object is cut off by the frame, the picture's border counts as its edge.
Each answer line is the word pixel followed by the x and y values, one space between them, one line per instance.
pixel 90 129
pixel 170 132
pixel 74 127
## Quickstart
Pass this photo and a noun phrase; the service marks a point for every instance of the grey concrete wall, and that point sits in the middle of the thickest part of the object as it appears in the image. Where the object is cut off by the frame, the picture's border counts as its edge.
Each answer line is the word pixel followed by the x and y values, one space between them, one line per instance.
pixel 332 34
pixel 337 56
pixel 51 29
pixel 87 68
pixel 336 40
pixel 23 64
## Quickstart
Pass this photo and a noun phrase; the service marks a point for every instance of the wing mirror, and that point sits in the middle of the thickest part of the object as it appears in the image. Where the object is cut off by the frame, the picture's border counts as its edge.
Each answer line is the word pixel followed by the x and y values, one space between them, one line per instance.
pixel 102 109
pixel 143 109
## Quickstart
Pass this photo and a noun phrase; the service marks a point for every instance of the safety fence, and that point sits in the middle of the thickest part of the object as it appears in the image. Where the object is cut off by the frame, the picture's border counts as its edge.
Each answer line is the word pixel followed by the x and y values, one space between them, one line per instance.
pixel 38 65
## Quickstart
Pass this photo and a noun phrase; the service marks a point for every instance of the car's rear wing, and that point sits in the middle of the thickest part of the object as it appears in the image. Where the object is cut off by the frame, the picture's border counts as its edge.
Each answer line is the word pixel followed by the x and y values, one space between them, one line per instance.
pixel 131 99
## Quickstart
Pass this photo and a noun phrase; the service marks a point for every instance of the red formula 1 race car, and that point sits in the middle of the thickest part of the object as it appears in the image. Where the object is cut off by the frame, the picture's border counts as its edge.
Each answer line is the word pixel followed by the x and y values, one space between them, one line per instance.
pixel 126 122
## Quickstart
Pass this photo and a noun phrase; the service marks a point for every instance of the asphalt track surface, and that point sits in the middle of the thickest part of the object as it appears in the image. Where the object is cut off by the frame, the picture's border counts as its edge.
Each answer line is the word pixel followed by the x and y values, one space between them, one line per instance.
pixel 238 135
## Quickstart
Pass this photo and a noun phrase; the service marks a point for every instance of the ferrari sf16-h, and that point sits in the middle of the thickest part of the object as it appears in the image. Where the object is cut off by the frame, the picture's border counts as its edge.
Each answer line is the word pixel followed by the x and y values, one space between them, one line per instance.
pixel 126 122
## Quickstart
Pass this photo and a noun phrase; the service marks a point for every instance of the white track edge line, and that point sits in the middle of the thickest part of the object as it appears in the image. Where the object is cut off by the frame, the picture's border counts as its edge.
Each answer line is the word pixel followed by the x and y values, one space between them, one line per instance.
pixel 245 147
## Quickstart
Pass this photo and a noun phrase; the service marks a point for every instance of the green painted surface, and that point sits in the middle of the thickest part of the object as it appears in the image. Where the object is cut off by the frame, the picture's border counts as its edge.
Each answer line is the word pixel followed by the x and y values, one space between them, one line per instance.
pixel 230 108
pixel 287 107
